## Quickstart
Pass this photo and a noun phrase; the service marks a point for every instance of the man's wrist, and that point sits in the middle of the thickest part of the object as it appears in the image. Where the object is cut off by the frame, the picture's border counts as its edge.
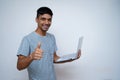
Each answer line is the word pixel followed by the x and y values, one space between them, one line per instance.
pixel 30 56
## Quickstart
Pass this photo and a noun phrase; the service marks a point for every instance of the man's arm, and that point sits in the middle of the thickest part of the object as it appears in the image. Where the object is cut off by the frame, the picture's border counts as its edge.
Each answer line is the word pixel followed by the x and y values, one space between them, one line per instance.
pixel 23 62
pixel 56 57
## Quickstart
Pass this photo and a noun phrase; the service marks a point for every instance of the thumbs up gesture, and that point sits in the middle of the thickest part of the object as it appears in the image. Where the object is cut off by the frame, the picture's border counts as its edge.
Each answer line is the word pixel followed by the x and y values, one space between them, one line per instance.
pixel 37 54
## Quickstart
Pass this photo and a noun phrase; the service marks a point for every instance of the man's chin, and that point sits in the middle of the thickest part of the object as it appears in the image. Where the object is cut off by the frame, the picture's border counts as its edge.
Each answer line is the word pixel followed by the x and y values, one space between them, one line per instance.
pixel 45 30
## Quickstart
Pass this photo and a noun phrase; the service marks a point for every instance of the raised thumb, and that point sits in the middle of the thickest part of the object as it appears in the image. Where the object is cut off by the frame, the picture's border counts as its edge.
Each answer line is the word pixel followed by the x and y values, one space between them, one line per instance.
pixel 39 45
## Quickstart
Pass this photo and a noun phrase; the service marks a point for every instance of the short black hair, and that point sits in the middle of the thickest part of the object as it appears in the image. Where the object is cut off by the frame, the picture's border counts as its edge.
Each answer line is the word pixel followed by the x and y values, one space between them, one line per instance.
pixel 44 10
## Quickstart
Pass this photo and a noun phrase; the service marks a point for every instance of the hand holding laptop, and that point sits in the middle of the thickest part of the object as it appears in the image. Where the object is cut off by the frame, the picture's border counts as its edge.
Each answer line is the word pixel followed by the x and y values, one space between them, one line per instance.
pixel 78 54
pixel 74 56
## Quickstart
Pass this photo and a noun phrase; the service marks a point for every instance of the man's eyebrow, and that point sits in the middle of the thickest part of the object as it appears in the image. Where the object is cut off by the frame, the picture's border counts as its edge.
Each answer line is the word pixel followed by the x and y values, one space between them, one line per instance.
pixel 45 18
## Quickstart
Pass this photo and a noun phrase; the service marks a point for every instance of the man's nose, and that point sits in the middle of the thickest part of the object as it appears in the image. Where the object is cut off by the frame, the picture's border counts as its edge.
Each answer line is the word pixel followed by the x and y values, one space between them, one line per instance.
pixel 46 22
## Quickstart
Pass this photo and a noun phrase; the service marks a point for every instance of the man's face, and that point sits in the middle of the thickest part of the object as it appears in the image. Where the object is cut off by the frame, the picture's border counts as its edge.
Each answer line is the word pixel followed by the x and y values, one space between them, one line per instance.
pixel 44 22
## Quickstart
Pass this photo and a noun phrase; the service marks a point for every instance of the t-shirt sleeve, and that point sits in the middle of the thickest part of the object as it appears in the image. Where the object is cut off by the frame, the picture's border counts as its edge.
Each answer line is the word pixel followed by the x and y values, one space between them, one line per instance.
pixel 24 47
pixel 55 45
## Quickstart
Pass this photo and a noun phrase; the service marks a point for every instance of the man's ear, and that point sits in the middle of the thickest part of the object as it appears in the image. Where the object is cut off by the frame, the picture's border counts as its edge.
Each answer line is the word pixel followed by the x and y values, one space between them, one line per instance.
pixel 36 19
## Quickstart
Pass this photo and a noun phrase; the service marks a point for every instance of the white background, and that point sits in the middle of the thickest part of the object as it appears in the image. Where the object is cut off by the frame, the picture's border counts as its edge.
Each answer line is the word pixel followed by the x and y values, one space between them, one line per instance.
pixel 97 20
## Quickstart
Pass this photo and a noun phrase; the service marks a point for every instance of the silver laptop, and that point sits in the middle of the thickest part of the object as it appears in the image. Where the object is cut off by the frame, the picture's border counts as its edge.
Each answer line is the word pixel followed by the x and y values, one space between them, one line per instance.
pixel 72 56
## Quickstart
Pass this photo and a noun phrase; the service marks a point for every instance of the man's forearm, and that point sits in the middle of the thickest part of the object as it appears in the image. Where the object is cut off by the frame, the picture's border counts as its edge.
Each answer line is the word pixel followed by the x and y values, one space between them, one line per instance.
pixel 23 62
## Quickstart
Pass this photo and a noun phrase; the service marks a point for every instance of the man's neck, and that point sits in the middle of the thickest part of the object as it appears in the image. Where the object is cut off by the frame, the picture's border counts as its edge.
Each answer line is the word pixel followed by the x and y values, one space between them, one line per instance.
pixel 40 32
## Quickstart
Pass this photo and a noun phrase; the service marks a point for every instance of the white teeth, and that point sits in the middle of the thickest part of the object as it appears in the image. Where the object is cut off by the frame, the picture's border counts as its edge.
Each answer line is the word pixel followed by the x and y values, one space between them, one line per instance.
pixel 45 26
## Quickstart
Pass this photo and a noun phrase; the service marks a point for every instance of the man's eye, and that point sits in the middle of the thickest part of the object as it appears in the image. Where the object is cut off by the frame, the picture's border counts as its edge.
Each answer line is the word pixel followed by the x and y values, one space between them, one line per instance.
pixel 49 20
pixel 43 19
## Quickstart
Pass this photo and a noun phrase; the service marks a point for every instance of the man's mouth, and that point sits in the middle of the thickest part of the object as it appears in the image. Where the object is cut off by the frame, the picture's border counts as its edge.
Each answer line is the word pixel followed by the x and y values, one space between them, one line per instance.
pixel 45 27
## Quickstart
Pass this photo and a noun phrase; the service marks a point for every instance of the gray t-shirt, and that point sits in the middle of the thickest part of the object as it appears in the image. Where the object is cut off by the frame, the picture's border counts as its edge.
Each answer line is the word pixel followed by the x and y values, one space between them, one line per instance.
pixel 42 69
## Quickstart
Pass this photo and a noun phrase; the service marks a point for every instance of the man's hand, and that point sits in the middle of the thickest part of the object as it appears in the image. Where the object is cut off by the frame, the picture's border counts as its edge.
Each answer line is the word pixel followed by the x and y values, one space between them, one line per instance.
pixel 70 60
pixel 37 54
pixel 79 54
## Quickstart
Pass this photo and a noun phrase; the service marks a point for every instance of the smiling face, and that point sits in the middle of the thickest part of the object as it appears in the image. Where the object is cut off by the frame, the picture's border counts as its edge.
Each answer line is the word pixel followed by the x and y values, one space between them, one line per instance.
pixel 44 22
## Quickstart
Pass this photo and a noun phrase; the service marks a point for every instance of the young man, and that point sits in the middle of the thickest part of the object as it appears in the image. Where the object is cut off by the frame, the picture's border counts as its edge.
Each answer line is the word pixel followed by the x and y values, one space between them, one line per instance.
pixel 37 51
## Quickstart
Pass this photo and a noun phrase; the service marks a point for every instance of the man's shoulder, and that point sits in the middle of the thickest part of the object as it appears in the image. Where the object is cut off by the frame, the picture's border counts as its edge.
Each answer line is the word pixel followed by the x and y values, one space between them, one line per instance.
pixel 50 34
pixel 29 35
